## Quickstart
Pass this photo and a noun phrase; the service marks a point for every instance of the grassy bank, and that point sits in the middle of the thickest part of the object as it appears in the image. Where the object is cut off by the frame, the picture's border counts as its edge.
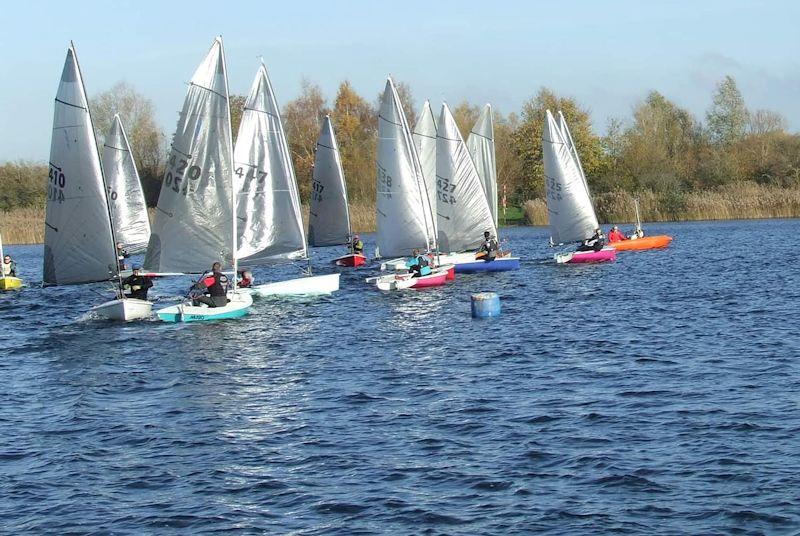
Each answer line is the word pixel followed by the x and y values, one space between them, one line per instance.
pixel 731 202
pixel 22 225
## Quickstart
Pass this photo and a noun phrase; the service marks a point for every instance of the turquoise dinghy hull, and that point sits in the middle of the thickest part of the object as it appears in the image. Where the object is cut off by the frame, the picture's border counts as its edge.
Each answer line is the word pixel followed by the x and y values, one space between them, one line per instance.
pixel 238 306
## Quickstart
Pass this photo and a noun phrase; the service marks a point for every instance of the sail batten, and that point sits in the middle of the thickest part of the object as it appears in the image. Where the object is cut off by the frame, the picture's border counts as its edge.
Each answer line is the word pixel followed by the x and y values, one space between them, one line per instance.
pixel 569 206
pixel 125 196
pixel 404 215
pixel 268 200
pixel 461 205
pixel 194 221
pixel 79 237
pixel 329 215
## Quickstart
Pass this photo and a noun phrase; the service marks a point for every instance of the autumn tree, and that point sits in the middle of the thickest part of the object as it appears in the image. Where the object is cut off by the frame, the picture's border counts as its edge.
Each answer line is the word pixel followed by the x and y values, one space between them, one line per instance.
pixel 302 120
pixel 528 138
pixel 145 136
pixel 236 104
pixel 355 122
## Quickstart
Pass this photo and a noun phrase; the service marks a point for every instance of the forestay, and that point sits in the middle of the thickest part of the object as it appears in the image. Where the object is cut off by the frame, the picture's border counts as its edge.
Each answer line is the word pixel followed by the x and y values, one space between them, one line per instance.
pixel 329 217
pixel 404 216
pixel 268 204
pixel 569 207
pixel 424 136
pixel 462 209
pixel 78 238
pixel 194 224
pixel 480 144
pixel 125 196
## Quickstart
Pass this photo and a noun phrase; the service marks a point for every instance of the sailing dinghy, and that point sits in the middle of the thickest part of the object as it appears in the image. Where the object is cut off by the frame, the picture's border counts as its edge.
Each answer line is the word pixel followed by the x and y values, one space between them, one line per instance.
pixel 569 205
pixel 79 242
pixel 404 215
pixel 268 198
pixel 195 224
pixel 639 242
pixel 329 214
pixel 8 282
pixel 463 206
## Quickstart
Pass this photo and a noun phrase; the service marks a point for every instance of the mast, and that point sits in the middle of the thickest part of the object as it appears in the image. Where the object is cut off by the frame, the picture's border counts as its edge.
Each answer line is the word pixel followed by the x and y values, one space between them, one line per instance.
pixel 229 141
pixel 2 258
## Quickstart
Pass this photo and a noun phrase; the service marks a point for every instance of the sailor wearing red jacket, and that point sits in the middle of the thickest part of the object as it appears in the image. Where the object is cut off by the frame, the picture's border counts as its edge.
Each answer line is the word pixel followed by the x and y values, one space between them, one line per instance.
pixel 615 235
pixel 215 286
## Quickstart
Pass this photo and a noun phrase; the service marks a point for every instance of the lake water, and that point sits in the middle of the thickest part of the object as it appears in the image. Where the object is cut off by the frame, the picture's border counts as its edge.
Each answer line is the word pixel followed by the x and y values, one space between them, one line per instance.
pixel 659 394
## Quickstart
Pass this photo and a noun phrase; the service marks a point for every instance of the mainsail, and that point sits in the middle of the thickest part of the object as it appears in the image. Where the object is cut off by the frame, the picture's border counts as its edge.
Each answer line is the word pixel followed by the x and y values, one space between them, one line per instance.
pixel 194 220
pixel 78 237
pixel 405 220
pixel 268 204
pixel 125 196
pixel 424 136
pixel 567 136
pixel 569 206
pixel 462 209
pixel 480 144
pixel 329 217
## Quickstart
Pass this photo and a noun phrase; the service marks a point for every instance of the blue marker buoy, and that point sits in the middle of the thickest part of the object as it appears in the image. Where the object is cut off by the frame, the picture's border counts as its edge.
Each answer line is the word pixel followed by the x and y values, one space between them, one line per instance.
pixel 485 305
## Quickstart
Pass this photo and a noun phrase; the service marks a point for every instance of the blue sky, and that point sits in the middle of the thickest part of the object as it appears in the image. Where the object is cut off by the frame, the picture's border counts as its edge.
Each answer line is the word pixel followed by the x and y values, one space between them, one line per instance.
pixel 608 54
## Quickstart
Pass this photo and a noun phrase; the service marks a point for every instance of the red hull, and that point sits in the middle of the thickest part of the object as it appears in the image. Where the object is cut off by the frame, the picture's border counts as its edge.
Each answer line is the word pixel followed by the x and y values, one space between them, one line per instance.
pixel 352 260
pixel 435 279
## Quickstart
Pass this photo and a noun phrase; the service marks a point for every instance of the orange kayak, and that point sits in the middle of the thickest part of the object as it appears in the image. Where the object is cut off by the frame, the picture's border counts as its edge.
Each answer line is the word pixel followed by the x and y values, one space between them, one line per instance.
pixel 647 242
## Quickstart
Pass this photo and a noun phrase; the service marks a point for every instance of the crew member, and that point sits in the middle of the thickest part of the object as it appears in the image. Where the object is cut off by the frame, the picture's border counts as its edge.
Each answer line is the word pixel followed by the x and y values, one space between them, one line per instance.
pixel 357 245
pixel 137 284
pixel 418 264
pixel 9 267
pixel 122 254
pixel 247 279
pixel 595 243
pixel 615 235
pixel 489 248
pixel 214 286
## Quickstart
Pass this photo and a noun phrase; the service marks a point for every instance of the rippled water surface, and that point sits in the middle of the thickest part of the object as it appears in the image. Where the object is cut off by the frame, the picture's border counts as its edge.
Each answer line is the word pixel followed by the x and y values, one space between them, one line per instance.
pixel 657 394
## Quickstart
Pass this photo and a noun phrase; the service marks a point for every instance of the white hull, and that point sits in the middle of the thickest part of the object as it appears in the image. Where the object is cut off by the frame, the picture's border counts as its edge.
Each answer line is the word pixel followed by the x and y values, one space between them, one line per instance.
pixel 238 306
pixel 302 286
pixel 122 310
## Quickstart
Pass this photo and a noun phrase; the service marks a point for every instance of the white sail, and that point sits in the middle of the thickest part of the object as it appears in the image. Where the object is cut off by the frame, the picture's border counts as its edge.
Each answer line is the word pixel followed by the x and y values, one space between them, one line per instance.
pixel 569 206
pixel 125 196
pixel 405 219
pixel 78 238
pixel 194 220
pixel 480 144
pixel 268 204
pixel 424 136
pixel 329 216
pixel 461 206
pixel 567 136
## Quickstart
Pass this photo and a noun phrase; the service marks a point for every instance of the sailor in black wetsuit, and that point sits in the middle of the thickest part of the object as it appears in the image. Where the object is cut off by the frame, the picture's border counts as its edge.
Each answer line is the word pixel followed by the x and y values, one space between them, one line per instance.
pixel 488 248
pixel 137 284
pixel 595 243
pixel 215 285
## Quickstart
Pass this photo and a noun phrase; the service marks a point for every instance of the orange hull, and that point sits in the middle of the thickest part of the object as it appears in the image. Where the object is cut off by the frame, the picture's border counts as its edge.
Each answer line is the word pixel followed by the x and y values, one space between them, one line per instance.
pixel 638 244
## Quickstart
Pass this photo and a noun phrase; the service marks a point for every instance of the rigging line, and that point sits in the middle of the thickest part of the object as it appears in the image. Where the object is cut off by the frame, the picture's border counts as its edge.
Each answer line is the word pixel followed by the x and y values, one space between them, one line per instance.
pixel 246 109
pixel 390 121
pixel 327 147
pixel 481 135
pixel 209 89
pixel 73 105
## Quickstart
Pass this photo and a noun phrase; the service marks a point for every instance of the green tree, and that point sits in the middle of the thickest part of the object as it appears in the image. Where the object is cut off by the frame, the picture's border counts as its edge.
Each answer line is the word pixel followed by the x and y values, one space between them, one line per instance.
pixel 236 104
pixel 727 117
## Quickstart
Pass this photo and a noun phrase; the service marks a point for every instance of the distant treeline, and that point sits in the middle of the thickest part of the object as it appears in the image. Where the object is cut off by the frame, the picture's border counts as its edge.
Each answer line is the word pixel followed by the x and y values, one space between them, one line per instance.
pixel 662 152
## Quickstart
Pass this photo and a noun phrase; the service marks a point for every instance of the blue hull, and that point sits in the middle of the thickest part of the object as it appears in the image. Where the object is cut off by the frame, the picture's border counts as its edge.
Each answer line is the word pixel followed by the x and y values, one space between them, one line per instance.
pixel 497 265
pixel 169 316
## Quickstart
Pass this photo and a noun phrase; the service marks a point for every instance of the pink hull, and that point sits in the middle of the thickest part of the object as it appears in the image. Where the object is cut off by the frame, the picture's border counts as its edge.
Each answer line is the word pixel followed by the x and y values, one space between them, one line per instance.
pixel 433 280
pixel 604 255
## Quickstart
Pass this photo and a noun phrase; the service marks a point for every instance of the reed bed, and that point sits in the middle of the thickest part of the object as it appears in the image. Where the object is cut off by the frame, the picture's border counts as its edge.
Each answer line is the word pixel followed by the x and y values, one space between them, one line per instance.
pixel 22 225
pixel 744 201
